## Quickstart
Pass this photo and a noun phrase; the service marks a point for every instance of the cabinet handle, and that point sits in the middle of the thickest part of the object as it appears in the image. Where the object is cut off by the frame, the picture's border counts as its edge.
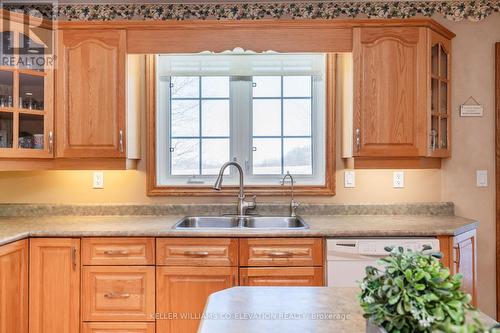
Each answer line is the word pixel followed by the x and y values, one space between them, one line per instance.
pixel 117 295
pixel 73 257
pixel 196 253
pixel 116 252
pixel 121 141
pixel 456 260
pixel 358 139
pixel 280 254
pixel 51 141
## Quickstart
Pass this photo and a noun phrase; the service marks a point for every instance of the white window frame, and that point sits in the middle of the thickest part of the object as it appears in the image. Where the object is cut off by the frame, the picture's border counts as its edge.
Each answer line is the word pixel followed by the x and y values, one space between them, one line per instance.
pixel 241 137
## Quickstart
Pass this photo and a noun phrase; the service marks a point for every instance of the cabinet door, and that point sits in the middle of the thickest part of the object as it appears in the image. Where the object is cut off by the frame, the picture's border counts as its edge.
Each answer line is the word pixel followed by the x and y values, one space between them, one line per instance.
pixel 181 294
pixel 91 93
pixel 14 287
pixel 54 300
pixel 103 327
pixel 464 261
pixel 282 276
pixel 389 92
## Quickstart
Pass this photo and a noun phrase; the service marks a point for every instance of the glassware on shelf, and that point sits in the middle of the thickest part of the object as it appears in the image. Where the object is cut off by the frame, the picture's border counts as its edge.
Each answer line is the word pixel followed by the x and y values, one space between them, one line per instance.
pixel 6 89
pixel 6 130
pixel 31 129
pixel 31 92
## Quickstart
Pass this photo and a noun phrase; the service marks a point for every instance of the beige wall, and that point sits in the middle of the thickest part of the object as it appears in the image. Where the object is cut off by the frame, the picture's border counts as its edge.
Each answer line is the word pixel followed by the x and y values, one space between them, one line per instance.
pixel 473 141
pixel 473 144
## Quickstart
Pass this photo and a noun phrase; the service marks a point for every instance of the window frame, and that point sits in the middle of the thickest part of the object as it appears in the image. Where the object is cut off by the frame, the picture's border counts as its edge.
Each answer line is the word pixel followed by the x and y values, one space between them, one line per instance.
pixel 327 189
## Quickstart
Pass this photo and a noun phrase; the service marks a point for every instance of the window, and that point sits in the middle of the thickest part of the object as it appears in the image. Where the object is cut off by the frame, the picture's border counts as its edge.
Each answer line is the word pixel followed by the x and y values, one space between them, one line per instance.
pixel 266 111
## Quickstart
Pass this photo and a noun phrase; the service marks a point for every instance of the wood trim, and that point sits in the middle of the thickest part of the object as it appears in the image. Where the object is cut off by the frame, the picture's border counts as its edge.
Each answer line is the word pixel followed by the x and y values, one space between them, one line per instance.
pixel 264 24
pixel 31 21
pixel 154 190
pixel 497 170
pixel 26 164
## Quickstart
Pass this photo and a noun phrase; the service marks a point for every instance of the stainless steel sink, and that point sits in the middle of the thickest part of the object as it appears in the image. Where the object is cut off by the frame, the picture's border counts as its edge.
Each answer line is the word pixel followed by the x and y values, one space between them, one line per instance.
pixel 208 222
pixel 274 222
pixel 244 222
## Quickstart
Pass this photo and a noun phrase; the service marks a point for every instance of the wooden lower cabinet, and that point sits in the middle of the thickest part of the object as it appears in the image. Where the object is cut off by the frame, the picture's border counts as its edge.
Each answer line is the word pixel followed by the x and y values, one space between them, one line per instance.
pixel 118 328
pixel 54 282
pixel 118 293
pixel 14 287
pixel 181 294
pixel 281 276
pixel 460 255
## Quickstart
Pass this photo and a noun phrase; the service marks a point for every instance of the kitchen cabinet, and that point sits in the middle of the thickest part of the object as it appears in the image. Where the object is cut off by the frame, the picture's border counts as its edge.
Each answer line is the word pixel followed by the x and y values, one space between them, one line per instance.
pixel 14 287
pixel 401 97
pixel 118 328
pixel 26 88
pixel 281 276
pixel 460 256
pixel 181 294
pixel 197 251
pixel 118 251
pixel 118 293
pixel 91 94
pixel 54 285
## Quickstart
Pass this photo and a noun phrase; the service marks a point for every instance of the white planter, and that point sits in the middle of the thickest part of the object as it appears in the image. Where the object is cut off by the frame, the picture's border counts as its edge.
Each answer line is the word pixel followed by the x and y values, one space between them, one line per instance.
pixel 370 328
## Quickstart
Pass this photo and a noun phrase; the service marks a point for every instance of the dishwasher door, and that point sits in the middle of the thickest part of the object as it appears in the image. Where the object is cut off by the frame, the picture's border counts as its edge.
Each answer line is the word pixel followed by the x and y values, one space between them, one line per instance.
pixel 347 258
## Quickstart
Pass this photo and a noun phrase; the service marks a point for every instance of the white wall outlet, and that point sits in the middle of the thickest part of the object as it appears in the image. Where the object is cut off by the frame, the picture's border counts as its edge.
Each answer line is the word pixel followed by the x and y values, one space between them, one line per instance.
pixel 398 179
pixel 98 181
pixel 482 178
pixel 349 179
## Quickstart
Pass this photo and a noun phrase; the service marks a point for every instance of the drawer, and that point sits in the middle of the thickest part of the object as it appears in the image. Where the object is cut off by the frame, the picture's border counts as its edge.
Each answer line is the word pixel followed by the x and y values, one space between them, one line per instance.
pixel 118 328
pixel 197 251
pixel 281 252
pixel 118 293
pixel 282 276
pixel 118 251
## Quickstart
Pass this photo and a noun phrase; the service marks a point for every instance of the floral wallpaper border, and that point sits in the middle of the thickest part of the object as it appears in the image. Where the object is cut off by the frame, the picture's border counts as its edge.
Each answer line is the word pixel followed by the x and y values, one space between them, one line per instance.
pixel 453 10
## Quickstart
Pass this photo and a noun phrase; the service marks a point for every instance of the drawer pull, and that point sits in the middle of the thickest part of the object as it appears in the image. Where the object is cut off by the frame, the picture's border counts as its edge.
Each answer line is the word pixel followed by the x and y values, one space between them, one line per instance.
pixel 116 252
pixel 117 295
pixel 280 254
pixel 196 253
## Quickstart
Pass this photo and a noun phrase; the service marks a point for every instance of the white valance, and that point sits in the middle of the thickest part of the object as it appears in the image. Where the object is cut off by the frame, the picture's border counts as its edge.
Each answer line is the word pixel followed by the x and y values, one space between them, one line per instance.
pixel 241 63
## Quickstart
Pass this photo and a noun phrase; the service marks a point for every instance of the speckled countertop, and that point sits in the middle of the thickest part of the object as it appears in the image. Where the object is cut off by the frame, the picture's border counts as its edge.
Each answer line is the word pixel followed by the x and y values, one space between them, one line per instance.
pixel 14 228
pixel 287 309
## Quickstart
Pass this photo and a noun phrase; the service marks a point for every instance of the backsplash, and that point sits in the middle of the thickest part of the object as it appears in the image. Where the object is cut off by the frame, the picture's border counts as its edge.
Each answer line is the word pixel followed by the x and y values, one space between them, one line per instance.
pixel 452 10
pixel 431 208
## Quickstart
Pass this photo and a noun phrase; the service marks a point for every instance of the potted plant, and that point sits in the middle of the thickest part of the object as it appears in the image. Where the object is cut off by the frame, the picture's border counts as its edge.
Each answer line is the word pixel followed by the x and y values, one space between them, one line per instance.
pixel 415 293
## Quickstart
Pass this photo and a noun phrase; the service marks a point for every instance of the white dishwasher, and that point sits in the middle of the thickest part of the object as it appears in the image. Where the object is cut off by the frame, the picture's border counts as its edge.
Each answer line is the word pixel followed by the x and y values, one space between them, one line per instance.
pixel 348 257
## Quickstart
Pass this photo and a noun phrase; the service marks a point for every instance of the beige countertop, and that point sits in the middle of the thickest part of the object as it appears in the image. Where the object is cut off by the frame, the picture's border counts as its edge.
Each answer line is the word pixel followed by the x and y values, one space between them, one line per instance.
pixel 287 309
pixel 14 228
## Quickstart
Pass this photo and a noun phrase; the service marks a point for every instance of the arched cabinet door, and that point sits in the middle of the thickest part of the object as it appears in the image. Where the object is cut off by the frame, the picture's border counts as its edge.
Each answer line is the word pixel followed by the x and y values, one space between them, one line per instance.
pixel 91 94
pixel 389 91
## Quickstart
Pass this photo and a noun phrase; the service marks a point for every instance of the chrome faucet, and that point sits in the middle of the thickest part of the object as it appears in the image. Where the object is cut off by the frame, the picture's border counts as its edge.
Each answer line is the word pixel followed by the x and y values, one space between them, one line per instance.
pixel 293 204
pixel 243 205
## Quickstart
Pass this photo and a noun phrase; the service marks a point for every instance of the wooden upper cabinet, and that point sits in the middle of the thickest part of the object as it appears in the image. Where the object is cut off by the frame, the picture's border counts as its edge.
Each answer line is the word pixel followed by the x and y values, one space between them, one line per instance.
pixel 389 91
pixel 14 287
pixel 54 282
pixel 91 93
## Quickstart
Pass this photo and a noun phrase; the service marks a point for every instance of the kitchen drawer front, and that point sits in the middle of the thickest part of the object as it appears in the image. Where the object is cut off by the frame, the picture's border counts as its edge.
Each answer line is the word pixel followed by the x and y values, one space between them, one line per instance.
pixel 118 251
pixel 197 252
pixel 281 252
pixel 282 276
pixel 118 328
pixel 118 293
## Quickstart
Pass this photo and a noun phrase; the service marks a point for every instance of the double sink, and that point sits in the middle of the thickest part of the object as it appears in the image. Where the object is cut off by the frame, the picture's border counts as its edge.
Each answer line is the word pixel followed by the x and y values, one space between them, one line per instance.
pixel 246 221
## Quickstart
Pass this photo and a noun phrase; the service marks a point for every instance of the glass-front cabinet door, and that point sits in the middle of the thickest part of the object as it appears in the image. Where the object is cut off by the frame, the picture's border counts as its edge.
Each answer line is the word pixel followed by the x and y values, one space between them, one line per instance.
pixel 439 127
pixel 26 89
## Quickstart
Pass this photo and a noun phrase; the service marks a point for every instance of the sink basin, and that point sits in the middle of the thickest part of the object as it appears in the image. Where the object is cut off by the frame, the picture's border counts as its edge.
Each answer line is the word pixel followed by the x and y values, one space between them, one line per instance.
pixel 208 222
pixel 245 222
pixel 274 222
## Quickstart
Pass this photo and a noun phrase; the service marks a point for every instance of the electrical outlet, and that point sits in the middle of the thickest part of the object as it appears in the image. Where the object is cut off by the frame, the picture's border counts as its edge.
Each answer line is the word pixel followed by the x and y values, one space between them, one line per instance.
pixel 98 179
pixel 398 179
pixel 349 179
pixel 482 178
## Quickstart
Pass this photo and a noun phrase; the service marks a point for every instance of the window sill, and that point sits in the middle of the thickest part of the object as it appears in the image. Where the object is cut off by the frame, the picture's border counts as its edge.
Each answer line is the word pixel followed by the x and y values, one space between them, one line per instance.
pixel 324 190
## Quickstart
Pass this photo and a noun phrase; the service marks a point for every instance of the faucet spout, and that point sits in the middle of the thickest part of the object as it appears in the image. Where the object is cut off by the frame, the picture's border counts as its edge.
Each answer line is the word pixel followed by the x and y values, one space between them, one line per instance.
pixel 242 204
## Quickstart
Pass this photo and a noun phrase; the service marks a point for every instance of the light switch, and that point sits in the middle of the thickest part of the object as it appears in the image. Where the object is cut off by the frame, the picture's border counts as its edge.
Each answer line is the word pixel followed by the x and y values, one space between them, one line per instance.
pixel 398 179
pixel 482 178
pixel 98 181
pixel 349 179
